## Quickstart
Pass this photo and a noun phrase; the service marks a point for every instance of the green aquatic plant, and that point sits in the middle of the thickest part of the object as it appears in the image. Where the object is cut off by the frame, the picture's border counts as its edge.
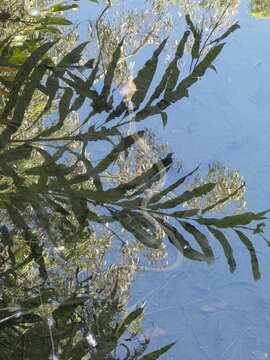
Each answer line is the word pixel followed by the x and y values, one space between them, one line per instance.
pixel 79 185
pixel 74 188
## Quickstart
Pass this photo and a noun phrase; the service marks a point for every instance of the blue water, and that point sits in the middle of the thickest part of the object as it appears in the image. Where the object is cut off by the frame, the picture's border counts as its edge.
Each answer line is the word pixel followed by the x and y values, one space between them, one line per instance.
pixel 211 313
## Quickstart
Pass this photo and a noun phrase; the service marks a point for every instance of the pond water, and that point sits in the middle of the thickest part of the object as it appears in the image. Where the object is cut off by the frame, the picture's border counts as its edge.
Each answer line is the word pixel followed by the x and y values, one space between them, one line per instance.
pixel 134 191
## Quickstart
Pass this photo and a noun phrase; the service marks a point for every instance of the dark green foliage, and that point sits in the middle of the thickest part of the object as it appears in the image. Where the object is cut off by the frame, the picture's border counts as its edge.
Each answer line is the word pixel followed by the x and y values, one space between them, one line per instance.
pixel 53 192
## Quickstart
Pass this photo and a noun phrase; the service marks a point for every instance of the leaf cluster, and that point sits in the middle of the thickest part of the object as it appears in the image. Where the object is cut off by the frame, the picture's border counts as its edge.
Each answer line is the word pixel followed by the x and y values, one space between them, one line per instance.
pixel 52 192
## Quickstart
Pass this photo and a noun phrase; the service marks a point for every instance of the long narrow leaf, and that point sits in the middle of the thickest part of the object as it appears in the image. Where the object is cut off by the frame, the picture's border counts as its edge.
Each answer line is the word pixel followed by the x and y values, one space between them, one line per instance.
pixel 227 249
pixel 174 75
pixel 22 76
pixel 30 239
pixel 142 226
pixel 111 70
pixel 172 187
pixel 252 252
pixel 186 196
pixel 24 100
pixel 124 144
pixel 231 29
pixel 145 76
pixel 201 240
pixel 123 325
pixel 200 69
pixel 178 240
pixel 144 179
pixel 64 110
pixel 232 221
pixel 156 354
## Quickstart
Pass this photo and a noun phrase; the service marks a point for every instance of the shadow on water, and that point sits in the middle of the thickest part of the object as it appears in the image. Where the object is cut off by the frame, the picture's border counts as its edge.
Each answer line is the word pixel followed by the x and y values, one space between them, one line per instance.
pixel 66 212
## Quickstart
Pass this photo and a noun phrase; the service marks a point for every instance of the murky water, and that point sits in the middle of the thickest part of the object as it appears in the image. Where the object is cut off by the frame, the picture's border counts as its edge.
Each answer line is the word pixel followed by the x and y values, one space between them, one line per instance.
pixel 134 189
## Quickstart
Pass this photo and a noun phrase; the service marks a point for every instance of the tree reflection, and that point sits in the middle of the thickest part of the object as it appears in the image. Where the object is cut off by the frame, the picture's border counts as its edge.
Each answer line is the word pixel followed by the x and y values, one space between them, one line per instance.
pixel 138 28
pixel 259 9
pixel 83 193
pixel 230 184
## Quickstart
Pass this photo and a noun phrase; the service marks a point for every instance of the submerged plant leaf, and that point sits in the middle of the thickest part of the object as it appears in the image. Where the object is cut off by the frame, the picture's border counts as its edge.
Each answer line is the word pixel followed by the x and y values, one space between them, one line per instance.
pixel 201 240
pixel 254 260
pixel 22 76
pixel 51 20
pixel 164 118
pixel 231 29
pixel 178 240
pixel 171 188
pixel 228 251
pixel 111 70
pixel 156 354
pixel 200 69
pixel 145 76
pixel 68 190
pixel 142 226
pixel 195 51
pixel 234 220
pixel 149 177
pixel 58 8
pixel 186 196
pixel 123 325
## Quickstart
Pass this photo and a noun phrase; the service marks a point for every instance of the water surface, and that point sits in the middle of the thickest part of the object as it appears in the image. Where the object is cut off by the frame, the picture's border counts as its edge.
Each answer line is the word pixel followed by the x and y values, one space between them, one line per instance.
pixel 89 225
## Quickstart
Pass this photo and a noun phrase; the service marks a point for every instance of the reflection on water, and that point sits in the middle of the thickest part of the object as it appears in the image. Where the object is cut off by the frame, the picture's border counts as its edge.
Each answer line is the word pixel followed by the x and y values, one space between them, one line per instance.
pixel 259 9
pixel 86 195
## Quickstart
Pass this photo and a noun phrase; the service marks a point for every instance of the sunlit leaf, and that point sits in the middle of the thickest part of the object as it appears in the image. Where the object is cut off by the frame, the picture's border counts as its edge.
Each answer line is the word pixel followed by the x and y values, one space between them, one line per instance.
pixel 8 69
pixel 24 100
pixel 17 56
pixel 22 76
pixel 58 8
pixel 48 29
pixel 4 92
